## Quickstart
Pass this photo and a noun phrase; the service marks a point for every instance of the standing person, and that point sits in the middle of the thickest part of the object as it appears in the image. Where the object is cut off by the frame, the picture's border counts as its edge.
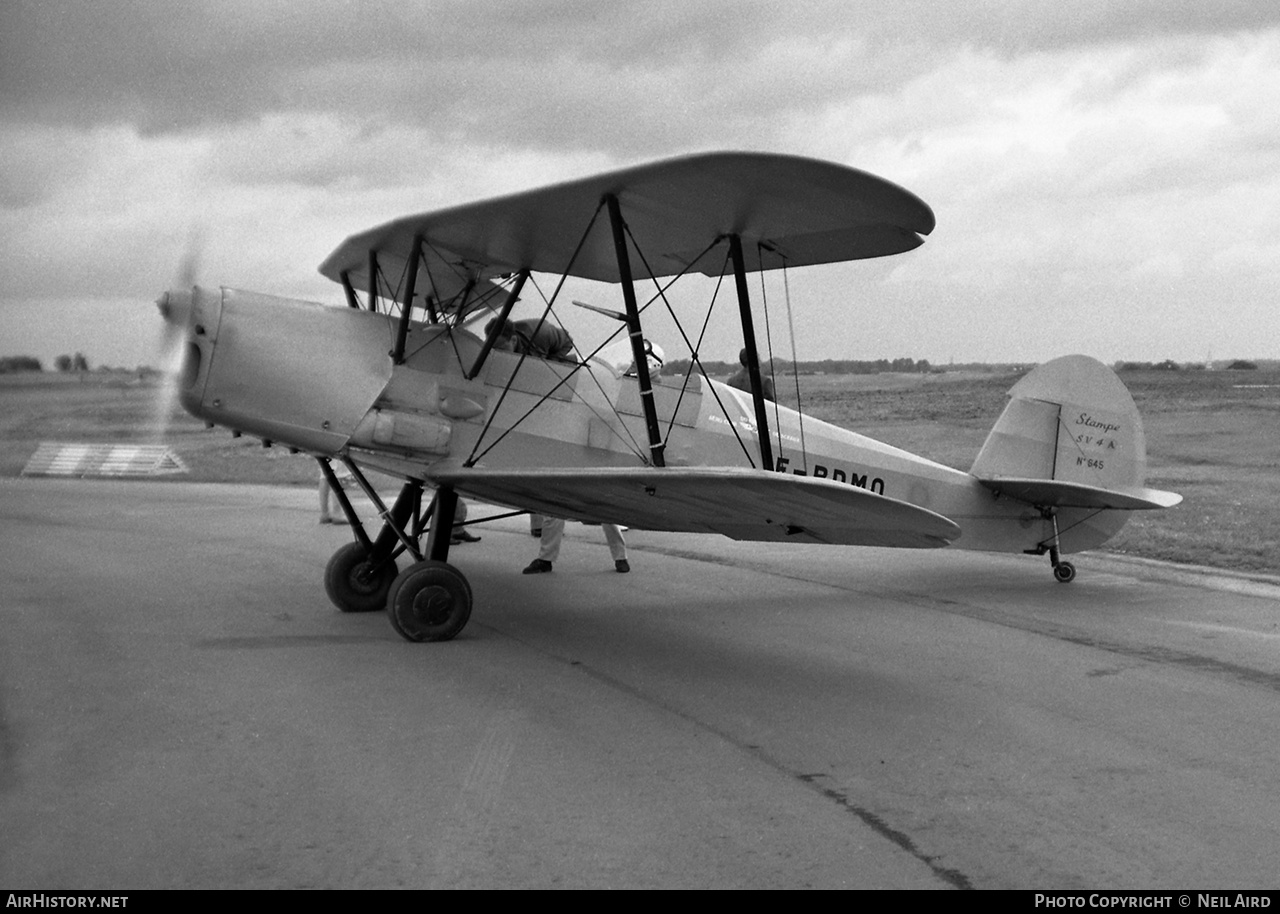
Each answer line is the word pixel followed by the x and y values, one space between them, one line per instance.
pixel 460 534
pixel 330 508
pixel 741 378
pixel 553 535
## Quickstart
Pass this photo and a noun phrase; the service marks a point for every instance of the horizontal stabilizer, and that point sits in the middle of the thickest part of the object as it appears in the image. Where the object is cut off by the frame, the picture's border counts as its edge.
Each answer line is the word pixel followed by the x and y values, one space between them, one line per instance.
pixel 1053 493
pixel 743 504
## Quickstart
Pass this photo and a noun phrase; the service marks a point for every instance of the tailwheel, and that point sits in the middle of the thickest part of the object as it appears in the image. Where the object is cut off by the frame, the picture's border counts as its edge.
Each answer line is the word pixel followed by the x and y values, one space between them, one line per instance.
pixel 1063 572
pixel 355 584
pixel 429 601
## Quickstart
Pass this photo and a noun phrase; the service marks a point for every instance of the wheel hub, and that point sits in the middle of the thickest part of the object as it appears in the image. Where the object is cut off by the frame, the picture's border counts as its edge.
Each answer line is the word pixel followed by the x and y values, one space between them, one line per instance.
pixel 432 605
pixel 362 578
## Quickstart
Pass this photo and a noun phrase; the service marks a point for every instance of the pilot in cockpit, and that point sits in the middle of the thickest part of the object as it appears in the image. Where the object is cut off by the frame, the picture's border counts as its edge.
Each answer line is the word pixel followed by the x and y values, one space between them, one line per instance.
pixel 653 357
pixel 537 338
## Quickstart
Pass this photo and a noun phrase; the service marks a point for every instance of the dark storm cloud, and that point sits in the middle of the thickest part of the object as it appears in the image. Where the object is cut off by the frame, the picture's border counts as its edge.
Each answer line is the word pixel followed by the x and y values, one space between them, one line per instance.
pixel 527 73
pixel 1015 27
pixel 168 65
pixel 1076 153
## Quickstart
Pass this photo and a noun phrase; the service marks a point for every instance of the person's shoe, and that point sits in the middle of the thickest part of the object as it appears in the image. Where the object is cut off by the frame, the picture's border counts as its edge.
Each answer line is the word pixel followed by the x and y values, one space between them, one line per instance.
pixel 537 566
pixel 622 565
pixel 464 536
pixel 536 531
pixel 326 520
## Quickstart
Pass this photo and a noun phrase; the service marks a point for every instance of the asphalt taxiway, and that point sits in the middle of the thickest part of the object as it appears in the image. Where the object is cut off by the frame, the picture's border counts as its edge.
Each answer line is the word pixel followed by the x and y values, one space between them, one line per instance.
pixel 180 706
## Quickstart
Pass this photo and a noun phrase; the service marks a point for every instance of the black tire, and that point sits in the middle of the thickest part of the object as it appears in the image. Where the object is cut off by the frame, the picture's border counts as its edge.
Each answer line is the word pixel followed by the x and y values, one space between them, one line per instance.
pixel 353 585
pixel 429 601
pixel 1064 572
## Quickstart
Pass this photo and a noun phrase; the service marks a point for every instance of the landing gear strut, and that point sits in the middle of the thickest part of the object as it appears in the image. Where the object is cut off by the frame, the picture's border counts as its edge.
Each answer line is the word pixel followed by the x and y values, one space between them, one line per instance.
pixel 1063 572
pixel 428 601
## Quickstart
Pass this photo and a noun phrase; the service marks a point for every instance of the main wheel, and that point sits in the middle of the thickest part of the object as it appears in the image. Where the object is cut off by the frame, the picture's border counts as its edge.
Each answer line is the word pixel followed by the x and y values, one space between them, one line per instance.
pixel 354 584
pixel 429 601
pixel 1064 572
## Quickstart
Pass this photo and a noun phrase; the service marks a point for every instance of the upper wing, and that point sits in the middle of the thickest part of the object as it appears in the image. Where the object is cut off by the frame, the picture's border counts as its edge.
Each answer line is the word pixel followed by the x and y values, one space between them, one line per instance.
pixel 454 288
pixel 1056 493
pixel 805 210
pixel 743 504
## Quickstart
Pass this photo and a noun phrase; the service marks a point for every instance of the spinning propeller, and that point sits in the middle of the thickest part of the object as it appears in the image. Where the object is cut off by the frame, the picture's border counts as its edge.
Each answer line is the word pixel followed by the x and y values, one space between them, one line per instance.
pixel 175 310
pixel 175 304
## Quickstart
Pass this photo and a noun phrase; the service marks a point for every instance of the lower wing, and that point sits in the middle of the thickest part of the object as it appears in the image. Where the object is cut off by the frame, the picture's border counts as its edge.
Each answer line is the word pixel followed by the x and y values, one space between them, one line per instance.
pixel 743 504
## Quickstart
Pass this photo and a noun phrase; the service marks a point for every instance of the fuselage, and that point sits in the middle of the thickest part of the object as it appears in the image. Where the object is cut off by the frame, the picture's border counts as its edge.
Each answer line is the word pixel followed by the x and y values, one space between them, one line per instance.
pixel 320 379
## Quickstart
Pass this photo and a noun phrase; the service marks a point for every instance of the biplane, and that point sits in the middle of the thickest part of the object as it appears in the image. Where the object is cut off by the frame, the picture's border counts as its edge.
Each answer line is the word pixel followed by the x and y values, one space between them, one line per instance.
pixel 404 381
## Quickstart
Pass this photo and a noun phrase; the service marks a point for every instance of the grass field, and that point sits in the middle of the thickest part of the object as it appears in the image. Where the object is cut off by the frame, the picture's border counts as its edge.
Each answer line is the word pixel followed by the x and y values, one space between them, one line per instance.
pixel 1212 436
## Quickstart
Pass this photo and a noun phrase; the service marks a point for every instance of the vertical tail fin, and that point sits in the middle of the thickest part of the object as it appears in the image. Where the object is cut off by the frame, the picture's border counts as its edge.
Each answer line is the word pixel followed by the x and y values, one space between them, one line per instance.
pixel 1070 436
pixel 1070 419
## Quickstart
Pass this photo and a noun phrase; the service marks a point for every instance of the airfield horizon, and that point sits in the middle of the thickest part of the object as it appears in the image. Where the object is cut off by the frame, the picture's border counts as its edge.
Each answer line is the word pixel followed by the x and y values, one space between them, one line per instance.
pixel 1212 436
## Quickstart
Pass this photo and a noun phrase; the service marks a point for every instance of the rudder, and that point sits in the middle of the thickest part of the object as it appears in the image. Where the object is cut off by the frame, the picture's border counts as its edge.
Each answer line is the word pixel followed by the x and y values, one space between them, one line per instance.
pixel 1071 420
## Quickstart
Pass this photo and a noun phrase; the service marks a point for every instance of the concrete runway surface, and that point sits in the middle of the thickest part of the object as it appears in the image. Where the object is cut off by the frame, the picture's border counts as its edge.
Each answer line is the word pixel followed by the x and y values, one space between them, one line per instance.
pixel 180 706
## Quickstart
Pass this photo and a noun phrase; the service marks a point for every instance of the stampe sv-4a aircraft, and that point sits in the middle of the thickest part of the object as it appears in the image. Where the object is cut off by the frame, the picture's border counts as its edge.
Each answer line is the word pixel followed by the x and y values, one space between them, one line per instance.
pixel 399 382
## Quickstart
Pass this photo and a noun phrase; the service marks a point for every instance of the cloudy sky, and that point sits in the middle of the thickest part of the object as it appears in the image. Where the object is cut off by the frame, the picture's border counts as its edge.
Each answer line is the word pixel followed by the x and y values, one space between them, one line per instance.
pixel 1105 175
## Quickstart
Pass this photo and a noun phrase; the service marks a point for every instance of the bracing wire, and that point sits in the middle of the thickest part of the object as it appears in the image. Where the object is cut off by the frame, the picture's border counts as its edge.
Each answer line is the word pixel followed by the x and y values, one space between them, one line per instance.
pixel 695 359
pixel 381 282
pixel 633 445
pixel 636 448
pixel 795 364
pixel 768 339
pixel 476 453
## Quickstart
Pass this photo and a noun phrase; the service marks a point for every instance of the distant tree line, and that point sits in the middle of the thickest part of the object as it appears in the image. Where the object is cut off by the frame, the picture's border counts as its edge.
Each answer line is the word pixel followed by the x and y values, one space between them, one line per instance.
pixel 1166 365
pixel 826 366
pixel 718 369
pixel 65 363
pixel 15 363
pixel 1171 365
pixel 75 362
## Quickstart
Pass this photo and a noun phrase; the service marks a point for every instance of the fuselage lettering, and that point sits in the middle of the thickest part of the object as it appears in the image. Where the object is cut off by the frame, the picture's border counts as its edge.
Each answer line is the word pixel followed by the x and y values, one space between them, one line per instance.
pixel 835 474
pixel 1089 422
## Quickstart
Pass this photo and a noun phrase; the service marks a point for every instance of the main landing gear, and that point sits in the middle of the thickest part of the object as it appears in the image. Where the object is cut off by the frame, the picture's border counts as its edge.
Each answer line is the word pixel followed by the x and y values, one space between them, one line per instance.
pixel 354 583
pixel 1063 572
pixel 428 601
